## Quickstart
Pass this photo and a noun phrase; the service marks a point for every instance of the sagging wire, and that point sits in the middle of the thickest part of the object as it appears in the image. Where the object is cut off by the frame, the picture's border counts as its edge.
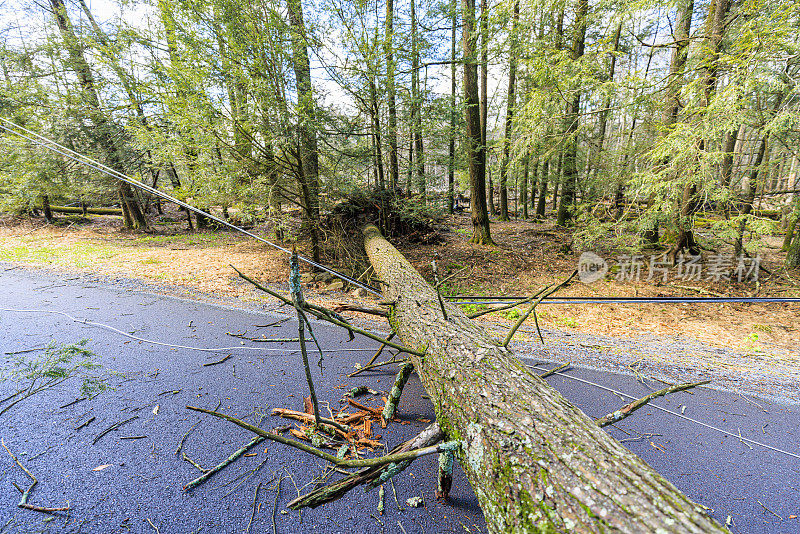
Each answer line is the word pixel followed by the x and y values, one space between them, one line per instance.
pixel 628 300
pixel 676 414
pixel 49 144
pixel 171 345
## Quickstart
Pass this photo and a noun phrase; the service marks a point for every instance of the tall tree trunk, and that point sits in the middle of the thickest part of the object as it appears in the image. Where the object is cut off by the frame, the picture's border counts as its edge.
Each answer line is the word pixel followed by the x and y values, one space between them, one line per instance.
pixel 752 184
pixel 523 188
pixel 376 132
pixel 48 213
pixel 594 162
pixel 565 210
pixel 105 132
pixel 535 462
pixel 789 241
pixel 476 150
pixel 490 187
pixel 728 148
pixel 535 180
pixel 672 107
pixel 484 72
pixel 308 173
pixel 717 11
pixel 410 170
pixel 394 170
pixel 182 90
pixel 416 105
pixel 543 181
pixel 512 87
pixel 559 178
pixel 451 156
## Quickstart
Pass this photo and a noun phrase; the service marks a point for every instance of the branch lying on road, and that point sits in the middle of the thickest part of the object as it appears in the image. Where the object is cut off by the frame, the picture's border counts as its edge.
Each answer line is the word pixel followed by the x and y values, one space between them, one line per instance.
pixel 23 503
pixel 366 462
pixel 428 437
pixel 628 409
pixel 327 315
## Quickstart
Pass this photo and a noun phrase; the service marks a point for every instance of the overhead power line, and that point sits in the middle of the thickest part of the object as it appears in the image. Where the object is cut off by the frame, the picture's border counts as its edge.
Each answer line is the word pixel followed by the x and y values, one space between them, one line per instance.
pixel 494 299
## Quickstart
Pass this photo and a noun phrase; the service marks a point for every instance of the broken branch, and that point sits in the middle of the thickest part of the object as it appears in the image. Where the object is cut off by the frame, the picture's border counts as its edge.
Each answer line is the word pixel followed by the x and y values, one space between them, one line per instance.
pixel 366 462
pixel 428 437
pixel 23 503
pixel 232 458
pixel 397 390
pixel 549 290
pixel 315 311
pixel 628 409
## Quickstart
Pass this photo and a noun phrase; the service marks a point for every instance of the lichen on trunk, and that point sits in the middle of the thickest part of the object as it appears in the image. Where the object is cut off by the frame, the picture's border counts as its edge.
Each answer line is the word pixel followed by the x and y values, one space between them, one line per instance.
pixel 535 462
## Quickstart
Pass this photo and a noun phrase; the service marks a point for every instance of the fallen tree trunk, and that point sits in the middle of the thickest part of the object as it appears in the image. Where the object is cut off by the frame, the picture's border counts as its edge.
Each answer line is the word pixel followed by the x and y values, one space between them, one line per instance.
pixel 536 463
pixel 92 211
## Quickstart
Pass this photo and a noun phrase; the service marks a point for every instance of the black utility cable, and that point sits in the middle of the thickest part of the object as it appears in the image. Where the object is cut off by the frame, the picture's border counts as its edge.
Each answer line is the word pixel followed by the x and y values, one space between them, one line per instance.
pixel 627 300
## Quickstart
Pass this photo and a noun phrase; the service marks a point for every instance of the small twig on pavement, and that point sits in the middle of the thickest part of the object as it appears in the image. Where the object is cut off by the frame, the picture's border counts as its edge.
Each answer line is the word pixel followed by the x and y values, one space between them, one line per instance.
pixel 183 438
pixel 85 423
pixel 768 510
pixel 23 503
pixel 113 427
pixel 253 514
pixel 275 507
pixel 218 361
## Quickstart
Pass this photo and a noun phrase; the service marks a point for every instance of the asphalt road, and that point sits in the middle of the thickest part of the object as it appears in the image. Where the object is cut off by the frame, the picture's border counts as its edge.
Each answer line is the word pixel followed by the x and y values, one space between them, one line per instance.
pixel 141 490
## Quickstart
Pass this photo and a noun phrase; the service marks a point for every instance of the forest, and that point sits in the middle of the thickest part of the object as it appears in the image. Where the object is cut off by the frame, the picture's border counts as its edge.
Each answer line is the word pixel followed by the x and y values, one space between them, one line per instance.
pixel 493 142
pixel 631 122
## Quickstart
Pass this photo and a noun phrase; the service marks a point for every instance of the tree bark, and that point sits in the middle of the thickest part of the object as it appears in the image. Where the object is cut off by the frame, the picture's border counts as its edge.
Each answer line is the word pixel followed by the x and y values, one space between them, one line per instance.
pixel 451 156
pixel 523 189
pixel 83 210
pixel 565 210
pixel 543 180
pixel 308 175
pixel 105 131
pixel 536 463
pixel 792 244
pixel 48 212
pixel 672 108
pixel 512 87
pixel 476 150
pixel 375 113
pixel 394 172
pixel 594 163
pixel 416 106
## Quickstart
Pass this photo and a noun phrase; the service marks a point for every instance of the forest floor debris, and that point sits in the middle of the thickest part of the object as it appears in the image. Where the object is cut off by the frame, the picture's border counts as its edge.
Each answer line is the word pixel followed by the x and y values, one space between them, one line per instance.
pixel 530 255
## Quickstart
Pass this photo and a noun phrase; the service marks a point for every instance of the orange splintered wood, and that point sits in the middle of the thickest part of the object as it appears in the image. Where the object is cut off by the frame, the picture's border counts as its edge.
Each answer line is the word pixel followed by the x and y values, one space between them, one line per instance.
pixel 353 417
pixel 369 443
pixel 368 428
pixel 354 404
pixel 298 434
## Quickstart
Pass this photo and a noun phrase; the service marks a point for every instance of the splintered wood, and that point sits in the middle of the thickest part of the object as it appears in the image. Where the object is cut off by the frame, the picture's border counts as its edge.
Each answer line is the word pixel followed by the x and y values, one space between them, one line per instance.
pixel 358 433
